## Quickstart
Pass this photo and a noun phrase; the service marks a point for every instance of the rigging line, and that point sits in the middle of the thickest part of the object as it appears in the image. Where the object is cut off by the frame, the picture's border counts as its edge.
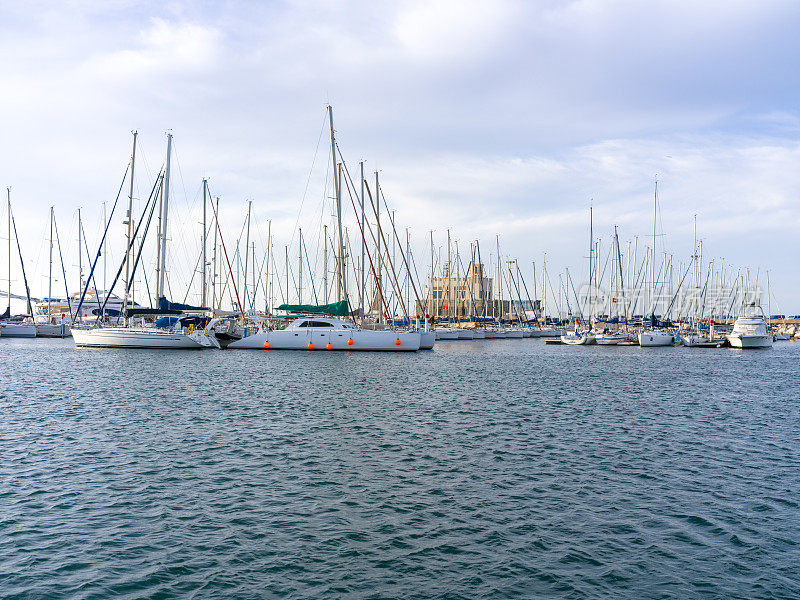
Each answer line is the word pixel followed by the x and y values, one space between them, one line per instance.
pixel 102 241
pixel 21 263
pixel 399 244
pixel 216 220
pixel 372 201
pixel 63 271
pixel 141 245
pixel 152 197
pixel 369 254
pixel 310 274
pixel 308 179
pixel 89 256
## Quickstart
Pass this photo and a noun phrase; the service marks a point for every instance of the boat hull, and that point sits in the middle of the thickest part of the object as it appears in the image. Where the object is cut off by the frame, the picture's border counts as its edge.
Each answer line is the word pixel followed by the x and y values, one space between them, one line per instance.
pixel 651 339
pixel 133 338
pixel 51 330
pixel 427 339
pixel 18 330
pixel 750 341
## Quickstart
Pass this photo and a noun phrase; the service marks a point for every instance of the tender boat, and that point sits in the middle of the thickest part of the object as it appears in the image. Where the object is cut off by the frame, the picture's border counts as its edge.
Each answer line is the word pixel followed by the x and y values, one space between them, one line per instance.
pixel 578 338
pixel 324 333
pixel 611 338
pixel 655 337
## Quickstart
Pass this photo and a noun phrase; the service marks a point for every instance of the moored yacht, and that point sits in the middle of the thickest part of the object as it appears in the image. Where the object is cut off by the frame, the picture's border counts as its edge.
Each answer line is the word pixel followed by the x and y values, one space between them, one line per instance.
pixel 325 333
pixel 750 332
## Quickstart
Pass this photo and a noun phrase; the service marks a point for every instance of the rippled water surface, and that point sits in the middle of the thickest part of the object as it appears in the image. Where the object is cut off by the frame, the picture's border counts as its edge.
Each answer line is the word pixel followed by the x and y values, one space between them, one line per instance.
pixel 497 469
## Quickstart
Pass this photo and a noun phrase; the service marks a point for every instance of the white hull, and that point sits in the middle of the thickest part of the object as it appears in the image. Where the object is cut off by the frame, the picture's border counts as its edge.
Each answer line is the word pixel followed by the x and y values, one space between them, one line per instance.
pixel 319 339
pixel 750 341
pixel 427 339
pixel 447 334
pixel 578 339
pixel 466 334
pixel 479 334
pixel 514 333
pixel 610 339
pixel 51 330
pixel 650 339
pixel 131 337
pixel 20 330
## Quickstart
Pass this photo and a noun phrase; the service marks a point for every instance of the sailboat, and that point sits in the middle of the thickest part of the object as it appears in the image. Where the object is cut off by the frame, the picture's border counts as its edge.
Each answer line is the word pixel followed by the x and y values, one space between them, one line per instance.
pixel 172 337
pixel 324 327
pixel 653 336
pixel 21 327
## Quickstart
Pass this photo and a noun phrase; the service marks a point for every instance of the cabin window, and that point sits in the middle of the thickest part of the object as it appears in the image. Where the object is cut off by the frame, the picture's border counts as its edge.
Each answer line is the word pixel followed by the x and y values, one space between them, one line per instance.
pixel 320 324
pixel 305 324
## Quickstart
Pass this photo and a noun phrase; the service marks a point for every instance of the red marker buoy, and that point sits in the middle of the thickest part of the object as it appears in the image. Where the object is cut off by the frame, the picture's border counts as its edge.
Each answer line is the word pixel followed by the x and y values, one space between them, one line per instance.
pixel 329 346
pixel 266 345
pixel 310 346
pixel 397 342
pixel 350 342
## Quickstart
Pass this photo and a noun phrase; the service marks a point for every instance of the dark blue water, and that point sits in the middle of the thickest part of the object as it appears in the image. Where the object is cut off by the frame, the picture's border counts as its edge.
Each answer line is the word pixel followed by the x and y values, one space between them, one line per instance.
pixel 498 469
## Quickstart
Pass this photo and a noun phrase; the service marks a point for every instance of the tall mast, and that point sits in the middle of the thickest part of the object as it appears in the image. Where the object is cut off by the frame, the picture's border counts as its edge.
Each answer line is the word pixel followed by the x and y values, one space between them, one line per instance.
pixel 267 278
pixel 431 299
pixel 499 280
pixel 449 280
pixel 380 235
pixel 214 265
pixel 8 191
pixel 50 272
pixel 300 266
pixel 204 292
pixel 653 262
pixel 80 262
pixel 591 248
pixel 363 249
pixel 325 263
pixel 165 212
pixel 129 223
pixel 247 249
pixel 105 247
pixel 337 185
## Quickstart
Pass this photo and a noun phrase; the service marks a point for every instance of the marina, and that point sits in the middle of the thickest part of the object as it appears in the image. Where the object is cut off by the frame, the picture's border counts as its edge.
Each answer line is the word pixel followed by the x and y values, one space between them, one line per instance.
pixel 420 300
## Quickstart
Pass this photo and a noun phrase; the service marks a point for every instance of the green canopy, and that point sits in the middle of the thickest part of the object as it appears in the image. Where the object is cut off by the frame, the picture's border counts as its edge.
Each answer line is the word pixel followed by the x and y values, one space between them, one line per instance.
pixel 339 309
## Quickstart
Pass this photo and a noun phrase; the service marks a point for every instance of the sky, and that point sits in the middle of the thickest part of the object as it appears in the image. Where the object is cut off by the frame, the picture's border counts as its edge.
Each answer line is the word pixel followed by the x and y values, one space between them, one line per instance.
pixel 502 117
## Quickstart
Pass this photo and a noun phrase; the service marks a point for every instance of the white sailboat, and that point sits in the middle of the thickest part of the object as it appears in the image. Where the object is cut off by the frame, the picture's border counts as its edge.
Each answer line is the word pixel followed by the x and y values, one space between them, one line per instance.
pixel 140 337
pixel 653 336
pixel 19 327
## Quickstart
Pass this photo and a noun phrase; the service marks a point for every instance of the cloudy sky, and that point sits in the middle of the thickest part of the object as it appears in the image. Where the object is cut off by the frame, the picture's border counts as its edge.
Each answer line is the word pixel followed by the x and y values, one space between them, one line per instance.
pixel 482 117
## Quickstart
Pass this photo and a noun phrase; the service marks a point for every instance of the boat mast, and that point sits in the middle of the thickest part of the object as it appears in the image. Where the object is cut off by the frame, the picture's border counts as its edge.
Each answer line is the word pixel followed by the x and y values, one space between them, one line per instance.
pixel 165 212
pixel 300 266
pixel 8 191
pixel 80 262
pixel 340 291
pixel 325 263
pixel 653 261
pixel 268 278
pixel 50 272
pixel 247 249
pixel 380 235
pixel 105 248
pixel 129 223
pixel 203 293
pixel 363 250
